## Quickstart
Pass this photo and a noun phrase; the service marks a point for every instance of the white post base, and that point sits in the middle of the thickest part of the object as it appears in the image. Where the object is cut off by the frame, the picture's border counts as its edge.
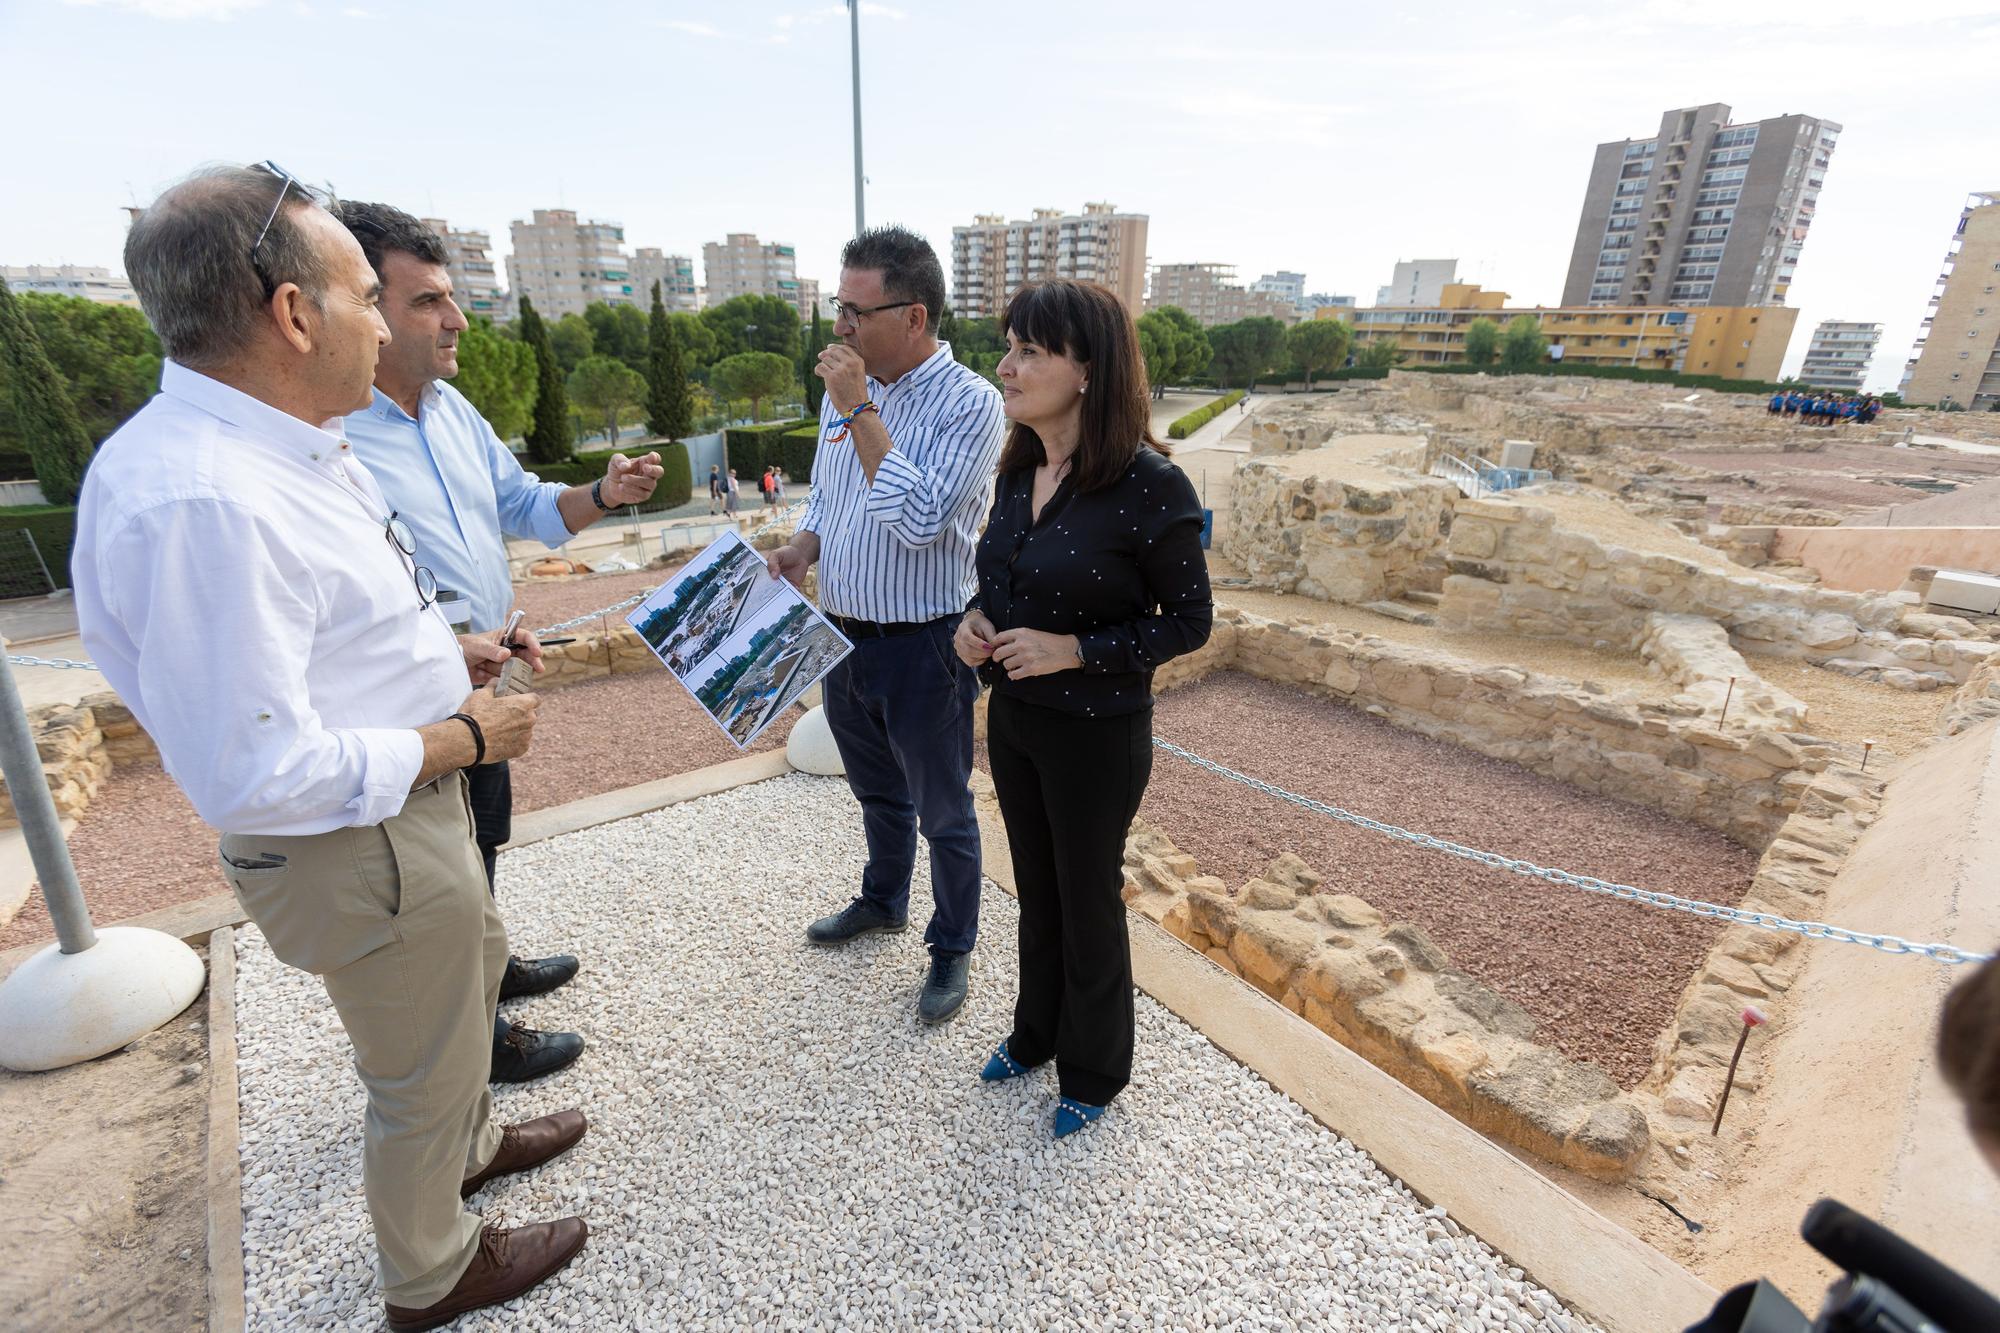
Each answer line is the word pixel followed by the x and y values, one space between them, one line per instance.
pixel 60 1009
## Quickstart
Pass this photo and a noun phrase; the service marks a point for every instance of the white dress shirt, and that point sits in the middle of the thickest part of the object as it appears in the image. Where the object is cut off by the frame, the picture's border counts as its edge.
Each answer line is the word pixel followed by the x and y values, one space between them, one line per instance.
pixel 236 585
pixel 900 548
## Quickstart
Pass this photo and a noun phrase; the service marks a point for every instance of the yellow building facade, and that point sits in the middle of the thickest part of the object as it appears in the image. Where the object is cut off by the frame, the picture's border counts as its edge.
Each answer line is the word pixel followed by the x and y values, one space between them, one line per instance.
pixel 1734 342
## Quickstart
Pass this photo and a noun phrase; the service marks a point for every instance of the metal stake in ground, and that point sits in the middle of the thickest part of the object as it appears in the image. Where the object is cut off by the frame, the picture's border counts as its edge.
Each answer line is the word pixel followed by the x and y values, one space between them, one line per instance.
pixel 1752 1017
pixel 90 992
pixel 1866 746
pixel 1727 695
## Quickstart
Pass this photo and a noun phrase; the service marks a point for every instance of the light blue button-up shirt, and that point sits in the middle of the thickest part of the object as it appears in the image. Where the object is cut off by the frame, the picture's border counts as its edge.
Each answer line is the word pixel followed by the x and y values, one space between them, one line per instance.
pixel 460 489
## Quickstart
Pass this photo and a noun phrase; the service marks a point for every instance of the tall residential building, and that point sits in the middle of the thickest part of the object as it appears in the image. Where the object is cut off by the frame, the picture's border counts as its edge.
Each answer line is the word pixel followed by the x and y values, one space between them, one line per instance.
pixel 1284 283
pixel 1703 213
pixel 674 273
pixel 1838 355
pixel 993 257
pixel 1733 342
pixel 1418 282
pixel 475 283
pixel 1317 301
pixel 90 283
pixel 562 264
pixel 740 265
pixel 1957 356
pixel 1209 293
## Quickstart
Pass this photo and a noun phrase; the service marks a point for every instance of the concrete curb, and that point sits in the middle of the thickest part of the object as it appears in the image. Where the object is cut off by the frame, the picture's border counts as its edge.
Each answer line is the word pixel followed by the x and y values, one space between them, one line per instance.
pixel 226 1296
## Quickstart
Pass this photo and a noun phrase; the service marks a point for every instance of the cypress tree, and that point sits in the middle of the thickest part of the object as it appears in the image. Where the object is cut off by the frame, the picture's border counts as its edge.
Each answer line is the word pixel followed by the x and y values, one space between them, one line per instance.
pixel 669 410
pixel 47 420
pixel 551 437
pixel 815 386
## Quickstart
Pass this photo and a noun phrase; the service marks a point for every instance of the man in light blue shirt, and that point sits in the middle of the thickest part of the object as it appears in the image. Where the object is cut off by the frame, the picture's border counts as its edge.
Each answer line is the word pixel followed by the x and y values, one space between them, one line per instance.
pixel 462 492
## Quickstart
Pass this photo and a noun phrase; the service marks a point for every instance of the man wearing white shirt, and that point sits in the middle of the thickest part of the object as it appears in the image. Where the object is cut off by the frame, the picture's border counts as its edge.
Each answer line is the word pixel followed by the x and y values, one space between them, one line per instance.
pixel 900 484
pixel 244 587
pixel 463 493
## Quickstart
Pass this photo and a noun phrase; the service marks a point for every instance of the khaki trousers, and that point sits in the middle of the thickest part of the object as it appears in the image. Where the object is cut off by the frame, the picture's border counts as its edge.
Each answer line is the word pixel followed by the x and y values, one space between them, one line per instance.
pixel 396 921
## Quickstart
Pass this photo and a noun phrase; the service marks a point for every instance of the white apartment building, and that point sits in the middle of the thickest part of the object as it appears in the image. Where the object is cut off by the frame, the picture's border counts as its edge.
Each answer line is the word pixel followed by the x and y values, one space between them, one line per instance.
pixel 563 264
pixel 674 273
pixel 90 283
pixel 993 257
pixel 1418 282
pixel 475 281
pixel 741 265
pixel 1838 355
pixel 1209 292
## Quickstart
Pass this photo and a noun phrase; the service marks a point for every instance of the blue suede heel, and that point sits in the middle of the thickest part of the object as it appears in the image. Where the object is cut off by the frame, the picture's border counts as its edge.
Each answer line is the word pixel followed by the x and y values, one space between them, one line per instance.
pixel 1001 1066
pixel 1072 1115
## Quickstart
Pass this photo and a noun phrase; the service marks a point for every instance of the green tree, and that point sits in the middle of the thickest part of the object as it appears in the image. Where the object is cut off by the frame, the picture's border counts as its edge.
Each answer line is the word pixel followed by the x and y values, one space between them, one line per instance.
pixel 978 345
pixel 621 331
pixel 754 324
pixel 755 376
pixel 669 410
pixel 1482 341
pixel 106 356
pixel 1378 354
pixel 816 341
pixel 606 385
pixel 1522 346
pixel 1246 349
pixel 1175 346
pixel 50 427
pixel 497 376
pixel 1319 345
pixel 697 340
pixel 551 438
pixel 573 342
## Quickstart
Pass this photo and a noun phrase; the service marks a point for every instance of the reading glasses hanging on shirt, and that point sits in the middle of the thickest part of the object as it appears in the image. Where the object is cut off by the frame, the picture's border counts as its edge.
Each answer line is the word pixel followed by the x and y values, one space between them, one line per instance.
pixel 400 537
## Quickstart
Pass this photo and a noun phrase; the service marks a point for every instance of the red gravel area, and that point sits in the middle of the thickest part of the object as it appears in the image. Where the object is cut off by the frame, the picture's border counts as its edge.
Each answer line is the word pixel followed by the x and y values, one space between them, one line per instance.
pixel 550 600
pixel 140 846
pixel 1602 977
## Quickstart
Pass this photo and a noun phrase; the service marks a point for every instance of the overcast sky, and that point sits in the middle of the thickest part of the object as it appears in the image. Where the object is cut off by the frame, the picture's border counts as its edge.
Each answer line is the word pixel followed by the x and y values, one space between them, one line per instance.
pixel 1326 138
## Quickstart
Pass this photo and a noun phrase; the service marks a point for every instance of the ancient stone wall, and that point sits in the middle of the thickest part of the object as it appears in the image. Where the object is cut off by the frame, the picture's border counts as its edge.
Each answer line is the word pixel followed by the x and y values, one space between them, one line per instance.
pixel 1386 991
pixel 1513 569
pixel 71 746
pixel 1694 653
pixel 1353 521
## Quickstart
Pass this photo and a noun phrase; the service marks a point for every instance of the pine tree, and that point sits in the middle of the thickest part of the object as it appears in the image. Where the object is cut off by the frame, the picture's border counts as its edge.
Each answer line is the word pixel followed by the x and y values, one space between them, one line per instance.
pixel 47 420
pixel 551 437
pixel 669 412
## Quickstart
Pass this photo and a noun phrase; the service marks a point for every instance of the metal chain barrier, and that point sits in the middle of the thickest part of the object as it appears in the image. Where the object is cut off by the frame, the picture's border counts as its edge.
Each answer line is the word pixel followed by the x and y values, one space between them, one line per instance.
pixel 1814 930
pixel 547 631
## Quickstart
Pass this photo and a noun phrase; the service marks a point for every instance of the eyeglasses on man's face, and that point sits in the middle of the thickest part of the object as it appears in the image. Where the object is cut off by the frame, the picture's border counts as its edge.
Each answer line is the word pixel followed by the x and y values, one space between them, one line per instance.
pixel 852 313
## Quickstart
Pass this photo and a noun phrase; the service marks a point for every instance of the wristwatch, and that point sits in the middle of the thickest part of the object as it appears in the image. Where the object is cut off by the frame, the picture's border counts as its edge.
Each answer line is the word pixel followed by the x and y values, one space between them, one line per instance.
pixel 597 496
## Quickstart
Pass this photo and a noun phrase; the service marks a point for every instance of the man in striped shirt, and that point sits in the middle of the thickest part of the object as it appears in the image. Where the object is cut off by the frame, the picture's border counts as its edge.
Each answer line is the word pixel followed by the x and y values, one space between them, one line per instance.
pixel 900 484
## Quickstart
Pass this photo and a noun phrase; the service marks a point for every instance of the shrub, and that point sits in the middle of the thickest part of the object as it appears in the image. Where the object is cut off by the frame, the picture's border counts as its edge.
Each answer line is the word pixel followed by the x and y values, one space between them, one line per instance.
pixel 794 452
pixel 750 448
pixel 677 483
pixel 54 529
pixel 1201 416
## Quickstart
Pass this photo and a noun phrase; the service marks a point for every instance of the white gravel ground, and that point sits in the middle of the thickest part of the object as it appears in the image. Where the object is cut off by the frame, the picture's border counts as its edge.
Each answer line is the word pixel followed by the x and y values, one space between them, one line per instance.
pixel 776 1142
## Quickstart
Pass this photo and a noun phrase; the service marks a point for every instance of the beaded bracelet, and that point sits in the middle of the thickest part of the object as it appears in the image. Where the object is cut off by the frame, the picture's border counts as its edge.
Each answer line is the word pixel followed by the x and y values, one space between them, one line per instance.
pixel 840 425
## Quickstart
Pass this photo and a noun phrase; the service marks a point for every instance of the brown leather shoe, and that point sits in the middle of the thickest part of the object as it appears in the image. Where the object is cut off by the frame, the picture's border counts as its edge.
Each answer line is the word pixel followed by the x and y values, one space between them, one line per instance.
pixel 529 1144
pixel 507 1263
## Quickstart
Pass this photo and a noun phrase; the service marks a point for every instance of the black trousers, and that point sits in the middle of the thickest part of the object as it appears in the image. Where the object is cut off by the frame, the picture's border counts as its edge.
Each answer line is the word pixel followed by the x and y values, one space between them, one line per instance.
pixel 491 790
pixel 1068 787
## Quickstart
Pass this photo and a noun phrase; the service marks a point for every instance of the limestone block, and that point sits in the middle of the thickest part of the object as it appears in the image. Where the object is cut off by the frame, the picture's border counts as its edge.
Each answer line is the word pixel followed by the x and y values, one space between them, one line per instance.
pixel 1456 1058
pixel 1287 870
pixel 1492 1011
pixel 1269 949
pixel 1388 962
pixel 1416 946
pixel 1346 911
pixel 1692 1094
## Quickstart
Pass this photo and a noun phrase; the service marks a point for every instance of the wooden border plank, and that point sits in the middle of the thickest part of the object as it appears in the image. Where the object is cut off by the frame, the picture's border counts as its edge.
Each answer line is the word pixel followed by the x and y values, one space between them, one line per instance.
pixel 225 1167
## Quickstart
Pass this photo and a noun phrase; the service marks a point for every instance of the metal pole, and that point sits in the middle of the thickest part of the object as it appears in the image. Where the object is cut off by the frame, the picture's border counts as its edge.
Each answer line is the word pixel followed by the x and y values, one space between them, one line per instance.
pixel 854 38
pixel 36 810
pixel 35 550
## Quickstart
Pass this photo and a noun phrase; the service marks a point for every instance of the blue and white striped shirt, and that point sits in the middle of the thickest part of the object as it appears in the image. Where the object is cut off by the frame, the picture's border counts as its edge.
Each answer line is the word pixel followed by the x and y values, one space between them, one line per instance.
pixel 901 549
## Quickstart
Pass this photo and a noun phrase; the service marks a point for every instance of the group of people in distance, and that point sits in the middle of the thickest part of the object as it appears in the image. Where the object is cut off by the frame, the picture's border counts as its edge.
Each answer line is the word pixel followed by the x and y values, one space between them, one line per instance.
pixel 259 563
pixel 1824 409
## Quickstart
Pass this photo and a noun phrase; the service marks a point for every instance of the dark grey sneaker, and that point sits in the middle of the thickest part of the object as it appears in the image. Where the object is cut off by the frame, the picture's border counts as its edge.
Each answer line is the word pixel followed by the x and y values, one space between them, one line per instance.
pixel 858 918
pixel 944 988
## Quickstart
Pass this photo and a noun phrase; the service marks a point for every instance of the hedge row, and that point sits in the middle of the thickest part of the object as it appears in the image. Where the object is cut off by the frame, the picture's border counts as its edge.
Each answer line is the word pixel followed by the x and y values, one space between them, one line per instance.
pixel 1201 416
pixel 785 444
pixel 54 529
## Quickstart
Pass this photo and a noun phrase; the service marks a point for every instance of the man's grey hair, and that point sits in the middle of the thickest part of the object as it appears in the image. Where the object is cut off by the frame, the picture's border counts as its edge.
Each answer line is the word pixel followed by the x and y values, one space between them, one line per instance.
pixel 188 256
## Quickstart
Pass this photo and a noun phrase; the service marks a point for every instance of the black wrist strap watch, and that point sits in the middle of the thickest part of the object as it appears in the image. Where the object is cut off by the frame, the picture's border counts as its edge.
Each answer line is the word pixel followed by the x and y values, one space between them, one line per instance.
pixel 597 496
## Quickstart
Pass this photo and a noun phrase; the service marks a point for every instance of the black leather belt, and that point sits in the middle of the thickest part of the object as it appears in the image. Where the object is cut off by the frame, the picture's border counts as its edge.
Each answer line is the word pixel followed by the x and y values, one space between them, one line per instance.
pixel 878 629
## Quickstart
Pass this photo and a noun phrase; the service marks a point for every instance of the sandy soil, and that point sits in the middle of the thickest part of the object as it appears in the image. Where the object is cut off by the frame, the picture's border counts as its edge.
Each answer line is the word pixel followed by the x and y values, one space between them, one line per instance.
pixel 103 1185
pixel 1602 977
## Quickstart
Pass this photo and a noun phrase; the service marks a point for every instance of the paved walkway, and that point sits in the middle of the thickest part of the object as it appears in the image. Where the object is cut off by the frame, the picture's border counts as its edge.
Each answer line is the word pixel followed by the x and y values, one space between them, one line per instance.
pixel 777 1142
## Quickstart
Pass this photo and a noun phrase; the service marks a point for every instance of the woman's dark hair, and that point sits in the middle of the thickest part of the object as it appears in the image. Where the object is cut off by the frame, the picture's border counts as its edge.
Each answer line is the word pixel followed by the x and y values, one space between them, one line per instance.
pixel 1089 324
pixel 1969 1048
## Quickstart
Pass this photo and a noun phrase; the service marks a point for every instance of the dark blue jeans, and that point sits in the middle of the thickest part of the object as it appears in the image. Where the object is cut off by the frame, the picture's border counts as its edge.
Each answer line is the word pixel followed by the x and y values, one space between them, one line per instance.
pixel 901 713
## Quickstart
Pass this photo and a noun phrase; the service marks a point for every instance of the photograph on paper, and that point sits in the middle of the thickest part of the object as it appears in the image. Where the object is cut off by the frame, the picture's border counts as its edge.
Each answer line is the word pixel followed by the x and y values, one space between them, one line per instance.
pixel 744 644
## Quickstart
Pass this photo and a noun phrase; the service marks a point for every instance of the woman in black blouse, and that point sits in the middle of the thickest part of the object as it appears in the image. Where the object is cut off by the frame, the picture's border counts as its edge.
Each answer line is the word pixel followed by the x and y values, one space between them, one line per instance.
pixel 1090 575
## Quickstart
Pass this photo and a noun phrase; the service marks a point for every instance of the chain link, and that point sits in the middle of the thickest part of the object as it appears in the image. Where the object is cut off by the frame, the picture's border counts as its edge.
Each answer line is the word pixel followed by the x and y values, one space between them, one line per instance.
pixel 61 662
pixel 1815 930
